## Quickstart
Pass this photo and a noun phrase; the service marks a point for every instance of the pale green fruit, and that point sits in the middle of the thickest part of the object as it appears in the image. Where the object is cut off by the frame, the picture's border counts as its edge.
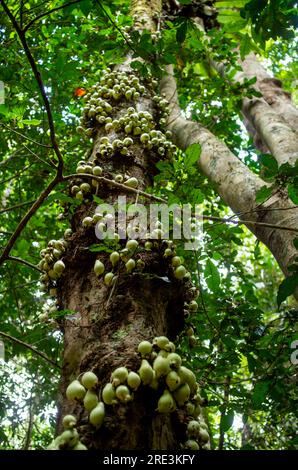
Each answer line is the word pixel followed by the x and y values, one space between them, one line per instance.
pixel 108 278
pixel 168 252
pixel 97 415
pixel 176 261
pixel 198 399
pixel 191 445
pixel 69 421
pixel 154 383
pixel 132 245
pixel 85 187
pixel 180 272
pixel 161 366
pixel 132 183
pixel 193 306
pixel 146 372
pixel 197 411
pixel 119 376
pixel 69 438
pixel 187 376
pixel 166 403
pixel 145 348
pixel 87 222
pixel 97 171
pixel 79 195
pixel 123 394
pixel 161 341
pixel 114 258
pixel 119 178
pixel 68 233
pixel 170 347
pixel 109 395
pixel 148 246
pixel 98 267
pixel 90 400
pixel 59 267
pixel 175 360
pixel 130 265
pixel 75 391
pixel 163 353
pixel 190 408
pixel 80 446
pixel 203 435
pixel 182 394
pixel 133 380
pixel 172 380
pixel 89 380
pixel 193 428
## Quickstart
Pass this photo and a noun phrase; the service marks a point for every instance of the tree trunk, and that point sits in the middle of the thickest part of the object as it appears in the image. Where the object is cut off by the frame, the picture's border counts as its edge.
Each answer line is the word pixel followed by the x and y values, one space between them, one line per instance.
pixel 236 184
pixel 107 323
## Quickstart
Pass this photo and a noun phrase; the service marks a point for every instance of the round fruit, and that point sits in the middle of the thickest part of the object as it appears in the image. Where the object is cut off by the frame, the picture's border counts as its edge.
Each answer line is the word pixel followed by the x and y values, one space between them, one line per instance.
pixel 119 376
pixel 161 366
pixel 145 348
pixel 75 391
pixel 176 261
pixel 182 394
pixel 191 445
pixel 146 372
pixel 161 341
pixel 175 360
pixel 130 265
pixel 172 380
pixel 98 268
pixel 69 421
pixel 90 400
pixel 123 394
pixel 180 272
pixel 114 258
pixel 89 380
pixel 59 267
pixel 132 245
pixel 109 395
pixel 132 183
pixel 133 380
pixel 166 403
pixel 97 415
pixel 108 278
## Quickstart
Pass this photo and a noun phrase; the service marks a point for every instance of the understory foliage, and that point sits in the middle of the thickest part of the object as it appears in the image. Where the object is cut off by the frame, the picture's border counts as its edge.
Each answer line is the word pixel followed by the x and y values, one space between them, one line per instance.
pixel 238 341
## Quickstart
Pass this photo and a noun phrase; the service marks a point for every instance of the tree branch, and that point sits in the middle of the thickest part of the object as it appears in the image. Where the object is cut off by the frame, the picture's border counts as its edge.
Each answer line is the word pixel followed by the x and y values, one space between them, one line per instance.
pixel 47 13
pixel 32 348
pixel 38 78
pixel 16 206
pixel 24 136
pixel 23 261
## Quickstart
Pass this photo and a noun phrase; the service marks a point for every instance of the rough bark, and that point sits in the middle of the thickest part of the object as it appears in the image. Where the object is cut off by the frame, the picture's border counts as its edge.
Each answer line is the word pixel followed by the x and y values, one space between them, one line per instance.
pixel 236 184
pixel 273 116
pixel 108 324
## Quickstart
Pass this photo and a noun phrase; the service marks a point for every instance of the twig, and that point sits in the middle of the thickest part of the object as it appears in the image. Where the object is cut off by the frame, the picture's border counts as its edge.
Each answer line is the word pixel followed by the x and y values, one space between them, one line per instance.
pixel 23 261
pixel 29 346
pixel 252 222
pixel 16 206
pixel 114 183
pixel 38 78
pixel 51 165
pixel 42 15
pixel 28 216
pixel 24 136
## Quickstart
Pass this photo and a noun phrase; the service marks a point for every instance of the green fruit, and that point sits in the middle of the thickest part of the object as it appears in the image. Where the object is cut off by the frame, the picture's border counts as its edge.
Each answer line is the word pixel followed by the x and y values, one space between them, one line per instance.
pixel 132 183
pixel 85 187
pixel 79 195
pixel 109 395
pixel 98 268
pixel 119 178
pixel 59 267
pixel 175 360
pixel 123 394
pixel 108 278
pixel 133 380
pixel 119 376
pixel 148 246
pixel 203 435
pixel 176 261
pixel 180 272
pixel 193 306
pixel 132 245
pixel 90 400
pixel 97 171
pixel 168 252
pixel 190 408
pixel 197 411
pixel 130 265
pixel 87 222
pixel 114 258
pixel 172 380
pixel 68 233
pixel 97 415
pixel 166 403
pixel 79 446
pixel 161 366
pixel 146 372
pixel 89 380
pixel 75 391
pixel 68 438
pixel 145 348
pixel 187 376
pixel 161 341
pixel 69 421
pixel 193 428
pixel 191 445
pixel 170 347
pixel 182 394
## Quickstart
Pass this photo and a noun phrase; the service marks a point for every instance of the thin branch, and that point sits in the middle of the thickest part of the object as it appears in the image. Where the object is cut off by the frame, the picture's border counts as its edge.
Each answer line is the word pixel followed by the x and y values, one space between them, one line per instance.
pixel 29 346
pixel 252 222
pixel 114 183
pixel 16 206
pixel 23 261
pixel 24 136
pixel 28 216
pixel 39 81
pixel 47 13
pixel 51 165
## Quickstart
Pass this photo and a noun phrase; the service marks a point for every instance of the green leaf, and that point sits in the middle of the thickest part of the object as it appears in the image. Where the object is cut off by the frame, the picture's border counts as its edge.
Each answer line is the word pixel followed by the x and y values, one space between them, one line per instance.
pixel 31 122
pixel 260 393
pixel 245 46
pixel 212 276
pixel 293 193
pixel 192 155
pixel 286 288
pixel 263 194
pixel 226 420
pixel 269 165
pixel 181 32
